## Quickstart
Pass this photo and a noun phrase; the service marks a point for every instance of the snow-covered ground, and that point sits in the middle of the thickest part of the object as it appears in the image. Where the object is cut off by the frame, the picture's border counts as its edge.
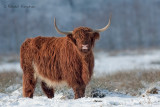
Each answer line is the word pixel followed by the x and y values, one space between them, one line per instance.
pixel 110 64
pixel 15 66
pixel 111 99
pixel 104 63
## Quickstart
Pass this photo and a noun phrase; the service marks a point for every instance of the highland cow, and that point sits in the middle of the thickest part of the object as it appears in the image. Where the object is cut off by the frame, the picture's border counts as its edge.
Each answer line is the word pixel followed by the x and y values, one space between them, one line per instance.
pixel 58 61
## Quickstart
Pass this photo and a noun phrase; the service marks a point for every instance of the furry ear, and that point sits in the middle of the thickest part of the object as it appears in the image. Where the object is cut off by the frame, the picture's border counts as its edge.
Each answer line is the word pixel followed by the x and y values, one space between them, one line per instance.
pixel 70 36
pixel 96 35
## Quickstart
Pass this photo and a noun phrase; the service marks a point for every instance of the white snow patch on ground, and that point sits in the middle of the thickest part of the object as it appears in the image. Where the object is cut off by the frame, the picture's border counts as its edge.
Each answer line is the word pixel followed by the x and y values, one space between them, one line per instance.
pixel 15 99
pixel 111 64
pixel 15 66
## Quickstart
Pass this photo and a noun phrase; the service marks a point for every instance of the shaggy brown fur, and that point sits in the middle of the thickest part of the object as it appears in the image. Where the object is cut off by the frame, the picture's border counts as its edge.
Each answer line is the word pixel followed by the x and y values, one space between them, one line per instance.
pixel 57 61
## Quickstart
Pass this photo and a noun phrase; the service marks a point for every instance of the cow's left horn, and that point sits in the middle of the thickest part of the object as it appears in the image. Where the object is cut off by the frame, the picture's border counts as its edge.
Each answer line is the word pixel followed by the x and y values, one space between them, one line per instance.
pixel 61 32
pixel 105 28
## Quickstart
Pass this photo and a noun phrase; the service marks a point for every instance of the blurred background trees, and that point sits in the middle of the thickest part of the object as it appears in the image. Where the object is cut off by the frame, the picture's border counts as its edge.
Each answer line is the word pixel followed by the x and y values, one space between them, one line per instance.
pixel 135 23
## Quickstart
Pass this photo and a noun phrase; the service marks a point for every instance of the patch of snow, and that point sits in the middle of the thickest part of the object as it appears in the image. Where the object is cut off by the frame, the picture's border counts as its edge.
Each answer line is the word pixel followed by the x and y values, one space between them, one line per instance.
pixel 111 64
pixel 15 99
pixel 12 87
pixel 10 67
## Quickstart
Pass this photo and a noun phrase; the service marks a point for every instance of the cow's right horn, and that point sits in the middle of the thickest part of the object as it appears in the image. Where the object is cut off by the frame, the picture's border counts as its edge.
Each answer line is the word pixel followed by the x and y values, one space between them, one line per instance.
pixel 105 28
pixel 61 32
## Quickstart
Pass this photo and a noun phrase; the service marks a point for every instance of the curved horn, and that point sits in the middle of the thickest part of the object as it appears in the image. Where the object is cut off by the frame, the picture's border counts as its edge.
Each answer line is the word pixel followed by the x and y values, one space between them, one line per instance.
pixel 105 28
pixel 61 32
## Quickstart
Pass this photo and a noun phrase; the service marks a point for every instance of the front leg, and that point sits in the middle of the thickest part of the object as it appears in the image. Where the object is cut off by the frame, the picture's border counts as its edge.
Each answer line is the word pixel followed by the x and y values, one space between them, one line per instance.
pixel 79 92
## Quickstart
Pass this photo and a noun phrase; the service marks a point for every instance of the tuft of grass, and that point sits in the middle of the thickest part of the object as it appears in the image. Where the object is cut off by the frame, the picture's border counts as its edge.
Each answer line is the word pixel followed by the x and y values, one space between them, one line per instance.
pixel 9 78
pixel 131 82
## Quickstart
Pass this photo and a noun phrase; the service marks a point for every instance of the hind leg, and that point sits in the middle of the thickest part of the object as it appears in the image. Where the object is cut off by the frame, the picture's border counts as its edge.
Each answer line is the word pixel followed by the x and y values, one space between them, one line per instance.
pixel 48 91
pixel 29 83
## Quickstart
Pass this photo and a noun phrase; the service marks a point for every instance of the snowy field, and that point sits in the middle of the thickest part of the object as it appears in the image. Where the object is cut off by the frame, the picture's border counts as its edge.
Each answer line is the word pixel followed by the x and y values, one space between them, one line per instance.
pixel 125 62
pixel 104 63
pixel 15 99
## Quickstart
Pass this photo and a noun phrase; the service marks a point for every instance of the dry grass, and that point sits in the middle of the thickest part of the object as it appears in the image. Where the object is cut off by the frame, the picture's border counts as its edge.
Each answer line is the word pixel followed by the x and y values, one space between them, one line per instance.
pixel 124 82
pixel 9 78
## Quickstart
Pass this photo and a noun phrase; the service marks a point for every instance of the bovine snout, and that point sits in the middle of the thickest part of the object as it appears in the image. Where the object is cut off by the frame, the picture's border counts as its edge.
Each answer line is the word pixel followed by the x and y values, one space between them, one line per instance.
pixel 85 46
